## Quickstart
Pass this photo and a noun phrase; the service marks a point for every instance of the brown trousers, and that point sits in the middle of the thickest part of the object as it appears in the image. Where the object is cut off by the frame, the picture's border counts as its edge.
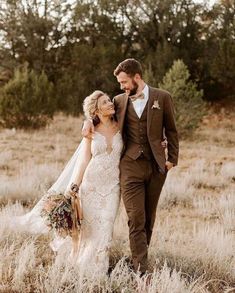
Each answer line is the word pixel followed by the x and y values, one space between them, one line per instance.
pixel 141 185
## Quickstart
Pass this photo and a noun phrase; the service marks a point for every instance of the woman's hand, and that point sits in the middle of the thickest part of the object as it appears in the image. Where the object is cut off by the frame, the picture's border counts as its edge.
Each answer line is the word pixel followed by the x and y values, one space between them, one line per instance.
pixel 72 191
pixel 169 165
pixel 88 128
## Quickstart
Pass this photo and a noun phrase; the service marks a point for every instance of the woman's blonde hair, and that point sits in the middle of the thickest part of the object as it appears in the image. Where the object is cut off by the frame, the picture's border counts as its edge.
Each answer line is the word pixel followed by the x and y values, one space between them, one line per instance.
pixel 90 104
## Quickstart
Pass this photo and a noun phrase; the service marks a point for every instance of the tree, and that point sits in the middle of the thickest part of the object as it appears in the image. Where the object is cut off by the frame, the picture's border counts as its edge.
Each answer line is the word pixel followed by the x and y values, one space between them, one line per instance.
pixel 217 63
pixel 189 106
pixel 79 43
pixel 27 100
pixel 31 31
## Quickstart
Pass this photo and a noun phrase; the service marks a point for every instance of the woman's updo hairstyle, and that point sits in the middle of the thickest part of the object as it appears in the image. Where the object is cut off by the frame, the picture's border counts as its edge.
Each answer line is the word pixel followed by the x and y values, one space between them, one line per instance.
pixel 90 106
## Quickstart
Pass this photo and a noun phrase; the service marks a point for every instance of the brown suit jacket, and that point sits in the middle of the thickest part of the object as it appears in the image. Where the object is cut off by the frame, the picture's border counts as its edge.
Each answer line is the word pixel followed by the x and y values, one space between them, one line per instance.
pixel 159 120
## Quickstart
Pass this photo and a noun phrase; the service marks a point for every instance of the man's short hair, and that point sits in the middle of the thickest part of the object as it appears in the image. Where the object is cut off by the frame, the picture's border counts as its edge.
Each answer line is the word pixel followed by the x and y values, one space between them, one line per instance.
pixel 129 66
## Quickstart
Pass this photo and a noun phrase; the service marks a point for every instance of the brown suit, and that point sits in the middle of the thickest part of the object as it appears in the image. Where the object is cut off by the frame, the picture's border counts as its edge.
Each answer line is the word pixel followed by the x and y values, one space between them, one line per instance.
pixel 142 165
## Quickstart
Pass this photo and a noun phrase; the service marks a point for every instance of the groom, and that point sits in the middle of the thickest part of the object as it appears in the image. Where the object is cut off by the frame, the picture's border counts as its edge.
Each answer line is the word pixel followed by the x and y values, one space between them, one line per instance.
pixel 144 114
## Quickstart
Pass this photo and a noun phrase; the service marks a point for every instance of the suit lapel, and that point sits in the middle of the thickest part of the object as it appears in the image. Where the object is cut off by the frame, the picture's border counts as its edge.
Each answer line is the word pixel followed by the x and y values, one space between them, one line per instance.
pixel 152 96
pixel 122 113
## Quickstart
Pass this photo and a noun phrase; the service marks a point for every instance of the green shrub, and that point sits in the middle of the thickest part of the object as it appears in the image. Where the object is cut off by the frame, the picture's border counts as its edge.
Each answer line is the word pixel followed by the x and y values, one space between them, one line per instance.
pixel 189 106
pixel 27 101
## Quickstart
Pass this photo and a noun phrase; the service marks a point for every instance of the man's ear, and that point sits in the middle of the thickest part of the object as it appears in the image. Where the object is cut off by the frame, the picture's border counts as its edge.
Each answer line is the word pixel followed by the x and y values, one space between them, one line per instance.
pixel 137 77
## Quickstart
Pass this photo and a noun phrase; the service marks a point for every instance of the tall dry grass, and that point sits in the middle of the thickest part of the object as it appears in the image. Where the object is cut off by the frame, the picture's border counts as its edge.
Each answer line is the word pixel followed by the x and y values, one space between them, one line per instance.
pixel 193 244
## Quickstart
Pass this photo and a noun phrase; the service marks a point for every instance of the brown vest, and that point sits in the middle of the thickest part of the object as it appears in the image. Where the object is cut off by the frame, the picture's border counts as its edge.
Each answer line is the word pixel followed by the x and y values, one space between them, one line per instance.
pixel 136 134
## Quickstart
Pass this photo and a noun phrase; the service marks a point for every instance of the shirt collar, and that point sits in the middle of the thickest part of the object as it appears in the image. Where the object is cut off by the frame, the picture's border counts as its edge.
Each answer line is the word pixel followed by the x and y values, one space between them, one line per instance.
pixel 145 91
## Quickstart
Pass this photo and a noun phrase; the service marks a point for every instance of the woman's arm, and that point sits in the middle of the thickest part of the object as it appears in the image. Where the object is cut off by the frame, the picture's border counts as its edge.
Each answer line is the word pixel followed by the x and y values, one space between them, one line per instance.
pixel 83 162
pixel 81 165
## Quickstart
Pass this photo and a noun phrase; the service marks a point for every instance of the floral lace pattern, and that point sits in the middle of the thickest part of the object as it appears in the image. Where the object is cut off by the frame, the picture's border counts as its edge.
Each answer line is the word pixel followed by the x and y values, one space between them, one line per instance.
pixel 100 196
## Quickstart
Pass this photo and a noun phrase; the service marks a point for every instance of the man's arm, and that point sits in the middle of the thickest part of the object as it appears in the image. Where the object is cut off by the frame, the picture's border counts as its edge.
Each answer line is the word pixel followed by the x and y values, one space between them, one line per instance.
pixel 170 131
pixel 88 128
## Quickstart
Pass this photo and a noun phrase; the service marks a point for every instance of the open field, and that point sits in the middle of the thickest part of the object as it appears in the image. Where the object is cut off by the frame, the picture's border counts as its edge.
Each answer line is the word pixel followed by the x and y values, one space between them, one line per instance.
pixel 193 246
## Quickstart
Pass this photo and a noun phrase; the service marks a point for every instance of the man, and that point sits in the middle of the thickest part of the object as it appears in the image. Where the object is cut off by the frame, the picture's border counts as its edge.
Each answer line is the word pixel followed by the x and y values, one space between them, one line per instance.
pixel 145 115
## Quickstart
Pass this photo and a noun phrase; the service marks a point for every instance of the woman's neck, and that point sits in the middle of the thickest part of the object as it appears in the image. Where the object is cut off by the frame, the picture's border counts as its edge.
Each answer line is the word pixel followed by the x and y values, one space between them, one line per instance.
pixel 106 121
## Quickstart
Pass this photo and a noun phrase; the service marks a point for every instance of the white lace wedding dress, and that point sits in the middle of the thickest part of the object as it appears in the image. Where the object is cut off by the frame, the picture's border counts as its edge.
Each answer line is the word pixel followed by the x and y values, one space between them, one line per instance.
pixel 100 197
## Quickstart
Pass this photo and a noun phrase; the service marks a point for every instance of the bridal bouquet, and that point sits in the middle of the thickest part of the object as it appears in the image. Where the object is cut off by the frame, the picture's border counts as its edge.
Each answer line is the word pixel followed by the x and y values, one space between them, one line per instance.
pixel 57 211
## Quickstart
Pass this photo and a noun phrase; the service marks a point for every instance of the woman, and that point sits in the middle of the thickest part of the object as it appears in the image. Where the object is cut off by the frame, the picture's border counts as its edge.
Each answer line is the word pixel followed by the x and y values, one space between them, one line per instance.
pixel 97 182
pixel 92 174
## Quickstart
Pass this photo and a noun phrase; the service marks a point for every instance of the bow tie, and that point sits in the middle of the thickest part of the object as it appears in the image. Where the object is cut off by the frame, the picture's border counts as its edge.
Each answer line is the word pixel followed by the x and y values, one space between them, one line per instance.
pixel 137 96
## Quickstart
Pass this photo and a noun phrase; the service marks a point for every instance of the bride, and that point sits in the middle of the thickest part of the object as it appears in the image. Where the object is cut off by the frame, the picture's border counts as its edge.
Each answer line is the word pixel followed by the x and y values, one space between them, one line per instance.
pixel 93 175
pixel 97 180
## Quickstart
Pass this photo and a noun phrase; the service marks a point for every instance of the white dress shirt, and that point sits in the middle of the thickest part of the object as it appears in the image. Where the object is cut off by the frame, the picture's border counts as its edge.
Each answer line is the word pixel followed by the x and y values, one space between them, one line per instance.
pixel 139 104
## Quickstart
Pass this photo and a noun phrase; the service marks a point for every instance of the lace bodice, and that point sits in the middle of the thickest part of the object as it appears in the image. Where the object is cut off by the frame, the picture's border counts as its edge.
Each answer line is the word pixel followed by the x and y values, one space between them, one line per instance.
pixel 99 145
pixel 102 173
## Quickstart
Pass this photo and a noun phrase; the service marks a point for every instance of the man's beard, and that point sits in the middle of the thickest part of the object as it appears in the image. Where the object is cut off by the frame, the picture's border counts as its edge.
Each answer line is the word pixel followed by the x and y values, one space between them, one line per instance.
pixel 135 88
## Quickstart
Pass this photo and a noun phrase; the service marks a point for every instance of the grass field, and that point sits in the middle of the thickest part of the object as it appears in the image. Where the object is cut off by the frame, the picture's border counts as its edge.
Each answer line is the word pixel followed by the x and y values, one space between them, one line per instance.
pixel 193 246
